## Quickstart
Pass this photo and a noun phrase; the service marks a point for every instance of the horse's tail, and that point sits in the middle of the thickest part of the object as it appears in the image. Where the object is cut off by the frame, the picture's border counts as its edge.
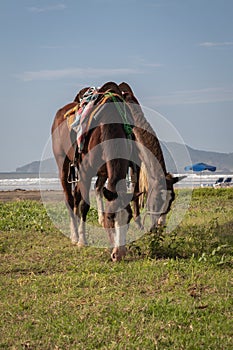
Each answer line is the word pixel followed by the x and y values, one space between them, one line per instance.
pixel 143 185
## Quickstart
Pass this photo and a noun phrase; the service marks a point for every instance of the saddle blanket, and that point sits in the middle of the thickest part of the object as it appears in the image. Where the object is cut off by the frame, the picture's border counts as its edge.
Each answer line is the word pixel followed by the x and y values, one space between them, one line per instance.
pixel 78 116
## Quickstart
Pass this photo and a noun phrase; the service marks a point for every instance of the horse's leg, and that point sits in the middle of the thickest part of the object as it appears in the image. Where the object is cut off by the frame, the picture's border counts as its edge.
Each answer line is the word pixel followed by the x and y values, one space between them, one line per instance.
pixel 134 172
pixel 116 208
pixel 99 197
pixel 63 165
pixel 84 207
pixel 77 201
pixel 121 227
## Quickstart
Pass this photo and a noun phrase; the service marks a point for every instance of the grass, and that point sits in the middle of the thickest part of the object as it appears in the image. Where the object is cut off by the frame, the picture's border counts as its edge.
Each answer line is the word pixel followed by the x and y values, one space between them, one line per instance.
pixel 171 292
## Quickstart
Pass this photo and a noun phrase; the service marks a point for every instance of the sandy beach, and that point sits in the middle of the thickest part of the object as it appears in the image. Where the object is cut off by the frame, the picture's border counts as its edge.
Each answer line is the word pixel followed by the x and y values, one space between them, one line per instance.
pixel 18 194
pixel 6 196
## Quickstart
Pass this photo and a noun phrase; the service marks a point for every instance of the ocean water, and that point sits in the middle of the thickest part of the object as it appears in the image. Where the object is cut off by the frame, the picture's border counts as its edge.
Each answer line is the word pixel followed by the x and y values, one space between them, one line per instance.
pixel 30 181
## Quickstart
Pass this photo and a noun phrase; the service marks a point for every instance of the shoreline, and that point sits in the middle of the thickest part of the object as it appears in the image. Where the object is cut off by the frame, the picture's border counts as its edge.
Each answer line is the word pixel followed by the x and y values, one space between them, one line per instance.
pixel 51 195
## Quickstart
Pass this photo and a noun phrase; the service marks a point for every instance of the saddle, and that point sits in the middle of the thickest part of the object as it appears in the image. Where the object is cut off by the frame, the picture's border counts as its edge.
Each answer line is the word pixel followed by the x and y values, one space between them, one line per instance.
pixel 70 115
pixel 88 103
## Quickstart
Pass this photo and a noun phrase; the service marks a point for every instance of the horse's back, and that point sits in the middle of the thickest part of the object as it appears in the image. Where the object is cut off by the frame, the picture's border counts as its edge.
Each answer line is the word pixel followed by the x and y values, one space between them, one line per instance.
pixel 61 140
pixel 60 115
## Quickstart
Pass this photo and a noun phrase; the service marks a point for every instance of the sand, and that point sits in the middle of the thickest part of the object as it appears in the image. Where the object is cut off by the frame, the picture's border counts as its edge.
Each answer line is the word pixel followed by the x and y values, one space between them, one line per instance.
pixel 6 196
pixel 16 195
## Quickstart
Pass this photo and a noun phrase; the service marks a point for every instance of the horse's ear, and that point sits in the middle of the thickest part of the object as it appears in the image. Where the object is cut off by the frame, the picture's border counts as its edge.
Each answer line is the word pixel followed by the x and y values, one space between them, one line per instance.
pixel 178 178
pixel 109 195
pixel 125 87
pixel 113 87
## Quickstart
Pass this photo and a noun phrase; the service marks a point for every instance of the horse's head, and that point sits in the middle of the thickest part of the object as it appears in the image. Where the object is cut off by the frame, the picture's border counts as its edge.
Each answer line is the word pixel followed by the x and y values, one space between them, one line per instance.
pixel 165 196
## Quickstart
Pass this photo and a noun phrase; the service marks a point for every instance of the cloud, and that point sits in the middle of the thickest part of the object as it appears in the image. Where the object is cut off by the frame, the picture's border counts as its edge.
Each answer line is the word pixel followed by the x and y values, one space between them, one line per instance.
pixel 74 73
pixel 216 44
pixel 142 62
pixel 207 95
pixel 56 7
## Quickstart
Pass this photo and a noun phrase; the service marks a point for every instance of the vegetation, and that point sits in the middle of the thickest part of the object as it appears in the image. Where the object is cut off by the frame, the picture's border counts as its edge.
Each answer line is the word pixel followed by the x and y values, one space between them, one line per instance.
pixel 171 291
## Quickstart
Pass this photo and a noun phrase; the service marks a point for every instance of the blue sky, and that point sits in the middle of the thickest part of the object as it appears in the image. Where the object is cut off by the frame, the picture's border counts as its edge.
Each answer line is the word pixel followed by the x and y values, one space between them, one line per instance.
pixel 176 54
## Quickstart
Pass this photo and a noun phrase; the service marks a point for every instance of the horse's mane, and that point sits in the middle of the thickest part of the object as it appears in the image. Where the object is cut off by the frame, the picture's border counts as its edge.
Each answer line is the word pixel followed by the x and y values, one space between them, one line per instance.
pixel 143 185
pixel 143 131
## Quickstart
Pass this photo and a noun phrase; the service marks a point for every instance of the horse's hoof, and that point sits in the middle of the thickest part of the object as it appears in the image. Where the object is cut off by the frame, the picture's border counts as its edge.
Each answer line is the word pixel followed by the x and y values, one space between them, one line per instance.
pixel 74 242
pixel 81 244
pixel 115 257
pixel 118 254
pixel 101 222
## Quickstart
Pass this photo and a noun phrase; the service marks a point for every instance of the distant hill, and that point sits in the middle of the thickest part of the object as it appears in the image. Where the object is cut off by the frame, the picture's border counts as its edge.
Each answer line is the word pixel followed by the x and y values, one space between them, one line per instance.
pixel 46 166
pixel 223 161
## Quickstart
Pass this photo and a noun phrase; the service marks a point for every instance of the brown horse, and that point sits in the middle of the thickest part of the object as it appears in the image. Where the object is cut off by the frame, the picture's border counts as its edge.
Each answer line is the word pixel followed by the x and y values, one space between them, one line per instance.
pixel 147 170
pixel 105 153
pixel 160 191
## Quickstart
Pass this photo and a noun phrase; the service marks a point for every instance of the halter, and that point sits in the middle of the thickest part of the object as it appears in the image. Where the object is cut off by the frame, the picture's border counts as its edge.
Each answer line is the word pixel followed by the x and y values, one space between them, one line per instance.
pixel 150 212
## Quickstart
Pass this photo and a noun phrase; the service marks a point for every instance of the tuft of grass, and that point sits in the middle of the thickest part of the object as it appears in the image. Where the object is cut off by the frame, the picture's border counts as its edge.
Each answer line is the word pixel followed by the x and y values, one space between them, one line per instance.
pixel 171 291
pixel 24 215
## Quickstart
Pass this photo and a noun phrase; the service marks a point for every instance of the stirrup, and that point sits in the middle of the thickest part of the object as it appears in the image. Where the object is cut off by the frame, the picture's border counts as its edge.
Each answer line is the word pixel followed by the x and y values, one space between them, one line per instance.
pixel 73 175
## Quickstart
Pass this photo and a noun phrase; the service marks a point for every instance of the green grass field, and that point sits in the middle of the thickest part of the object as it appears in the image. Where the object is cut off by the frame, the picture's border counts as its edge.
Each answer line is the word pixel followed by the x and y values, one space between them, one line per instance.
pixel 171 291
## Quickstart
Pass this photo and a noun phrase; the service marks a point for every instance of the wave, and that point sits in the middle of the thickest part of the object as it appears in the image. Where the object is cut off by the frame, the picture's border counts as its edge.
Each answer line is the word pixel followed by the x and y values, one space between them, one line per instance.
pixel 33 182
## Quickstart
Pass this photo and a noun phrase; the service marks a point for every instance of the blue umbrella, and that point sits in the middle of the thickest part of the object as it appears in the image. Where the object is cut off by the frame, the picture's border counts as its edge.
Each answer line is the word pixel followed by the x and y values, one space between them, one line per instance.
pixel 200 167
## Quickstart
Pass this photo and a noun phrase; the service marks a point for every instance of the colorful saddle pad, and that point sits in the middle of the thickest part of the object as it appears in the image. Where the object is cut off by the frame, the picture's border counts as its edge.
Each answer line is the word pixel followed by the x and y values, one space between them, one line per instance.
pixel 80 116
